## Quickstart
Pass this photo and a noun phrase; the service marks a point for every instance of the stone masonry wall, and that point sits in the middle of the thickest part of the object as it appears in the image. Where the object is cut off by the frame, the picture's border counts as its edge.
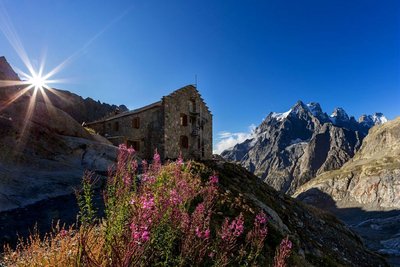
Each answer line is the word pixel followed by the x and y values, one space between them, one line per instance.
pixel 198 129
pixel 149 135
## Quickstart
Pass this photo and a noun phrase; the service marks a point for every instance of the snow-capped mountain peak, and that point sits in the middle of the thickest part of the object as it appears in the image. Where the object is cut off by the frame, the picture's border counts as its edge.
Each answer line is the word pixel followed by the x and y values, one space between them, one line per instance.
pixel 370 120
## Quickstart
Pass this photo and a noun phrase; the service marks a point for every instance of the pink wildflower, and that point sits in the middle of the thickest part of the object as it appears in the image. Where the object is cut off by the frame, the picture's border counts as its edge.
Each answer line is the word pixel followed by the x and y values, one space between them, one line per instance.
pixel 261 218
pixel 214 179
pixel 175 198
pixel 147 202
pixel 232 230
pixel 283 253
pixel 140 234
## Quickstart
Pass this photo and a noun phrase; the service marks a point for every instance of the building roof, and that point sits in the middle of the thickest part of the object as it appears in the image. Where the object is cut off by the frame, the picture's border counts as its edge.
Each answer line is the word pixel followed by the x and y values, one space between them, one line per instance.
pixel 128 113
pixel 153 105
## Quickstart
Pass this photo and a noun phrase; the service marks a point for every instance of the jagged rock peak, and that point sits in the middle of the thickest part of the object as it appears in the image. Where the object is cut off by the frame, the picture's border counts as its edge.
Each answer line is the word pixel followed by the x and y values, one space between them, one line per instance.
pixel 339 114
pixel 6 71
pixel 315 108
pixel 299 106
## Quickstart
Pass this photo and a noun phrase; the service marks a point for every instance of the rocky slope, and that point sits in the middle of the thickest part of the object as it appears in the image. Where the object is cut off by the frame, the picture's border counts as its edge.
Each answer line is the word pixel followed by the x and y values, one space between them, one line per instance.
pixel 289 149
pixel 365 191
pixel 43 150
pixel 320 239
pixel 371 179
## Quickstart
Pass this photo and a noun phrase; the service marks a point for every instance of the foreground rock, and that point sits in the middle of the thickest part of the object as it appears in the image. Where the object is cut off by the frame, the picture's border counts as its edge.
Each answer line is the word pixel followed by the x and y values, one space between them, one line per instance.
pixel 320 239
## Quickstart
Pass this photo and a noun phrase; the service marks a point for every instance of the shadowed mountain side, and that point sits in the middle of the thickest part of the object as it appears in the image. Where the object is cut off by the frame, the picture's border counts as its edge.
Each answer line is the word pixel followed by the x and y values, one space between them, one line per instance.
pixel 380 230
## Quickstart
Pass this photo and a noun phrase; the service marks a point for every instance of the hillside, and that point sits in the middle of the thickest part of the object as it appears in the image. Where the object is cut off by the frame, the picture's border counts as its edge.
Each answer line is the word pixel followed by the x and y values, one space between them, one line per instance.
pixel 175 214
pixel 365 191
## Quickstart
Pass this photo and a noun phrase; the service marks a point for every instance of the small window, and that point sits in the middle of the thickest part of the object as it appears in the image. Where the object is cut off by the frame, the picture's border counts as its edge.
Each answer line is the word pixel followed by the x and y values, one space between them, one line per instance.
pixel 134 144
pixel 116 126
pixel 192 105
pixel 136 123
pixel 184 119
pixel 198 143
pixel 184 141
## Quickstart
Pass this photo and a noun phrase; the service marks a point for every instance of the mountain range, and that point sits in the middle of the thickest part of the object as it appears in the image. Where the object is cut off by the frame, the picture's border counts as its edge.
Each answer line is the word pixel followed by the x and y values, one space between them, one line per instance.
pixel 288 149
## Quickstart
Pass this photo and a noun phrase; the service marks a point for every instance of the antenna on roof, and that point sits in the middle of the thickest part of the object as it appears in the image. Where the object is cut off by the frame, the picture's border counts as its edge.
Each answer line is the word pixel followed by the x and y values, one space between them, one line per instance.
pixel 195 80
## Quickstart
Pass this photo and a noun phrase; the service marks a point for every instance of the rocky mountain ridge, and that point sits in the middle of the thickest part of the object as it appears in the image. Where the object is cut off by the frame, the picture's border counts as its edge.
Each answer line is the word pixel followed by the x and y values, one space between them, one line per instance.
pixel 79 108
pixel 288 149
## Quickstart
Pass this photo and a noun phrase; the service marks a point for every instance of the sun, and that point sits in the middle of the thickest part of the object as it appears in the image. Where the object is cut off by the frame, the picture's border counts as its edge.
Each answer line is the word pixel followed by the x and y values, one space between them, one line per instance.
pixel 37 81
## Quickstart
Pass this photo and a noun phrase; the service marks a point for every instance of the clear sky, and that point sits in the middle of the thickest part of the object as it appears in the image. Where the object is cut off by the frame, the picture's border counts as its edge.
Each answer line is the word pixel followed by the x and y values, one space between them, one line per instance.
pixel 250 57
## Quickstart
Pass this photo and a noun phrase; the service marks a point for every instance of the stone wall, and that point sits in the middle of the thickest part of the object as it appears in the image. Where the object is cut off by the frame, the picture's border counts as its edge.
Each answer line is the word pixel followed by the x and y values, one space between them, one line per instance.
pixel 145 138
pixel 187 101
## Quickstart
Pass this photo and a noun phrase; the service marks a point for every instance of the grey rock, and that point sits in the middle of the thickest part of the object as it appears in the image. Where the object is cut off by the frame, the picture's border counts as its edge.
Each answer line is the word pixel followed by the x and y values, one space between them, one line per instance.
pixel 289 149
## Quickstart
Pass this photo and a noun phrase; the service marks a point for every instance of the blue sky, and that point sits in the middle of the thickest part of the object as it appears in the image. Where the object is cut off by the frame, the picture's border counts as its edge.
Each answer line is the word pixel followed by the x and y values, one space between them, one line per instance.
pixel 250 57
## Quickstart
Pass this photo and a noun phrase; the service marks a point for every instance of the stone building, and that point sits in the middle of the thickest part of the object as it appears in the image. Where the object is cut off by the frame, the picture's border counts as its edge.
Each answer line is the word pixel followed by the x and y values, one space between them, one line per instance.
pixel 180 123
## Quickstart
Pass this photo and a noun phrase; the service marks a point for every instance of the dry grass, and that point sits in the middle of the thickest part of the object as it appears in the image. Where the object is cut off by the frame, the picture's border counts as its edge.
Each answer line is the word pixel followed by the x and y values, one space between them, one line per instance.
pixel 61 247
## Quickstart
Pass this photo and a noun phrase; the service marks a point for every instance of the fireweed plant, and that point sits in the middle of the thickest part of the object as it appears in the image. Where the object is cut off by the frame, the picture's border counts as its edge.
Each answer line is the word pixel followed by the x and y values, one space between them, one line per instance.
pixel 164 216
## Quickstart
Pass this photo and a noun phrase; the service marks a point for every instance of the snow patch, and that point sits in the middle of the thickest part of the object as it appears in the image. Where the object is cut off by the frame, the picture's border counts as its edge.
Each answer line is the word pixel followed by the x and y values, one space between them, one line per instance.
pixel 379 118
pixel 281 116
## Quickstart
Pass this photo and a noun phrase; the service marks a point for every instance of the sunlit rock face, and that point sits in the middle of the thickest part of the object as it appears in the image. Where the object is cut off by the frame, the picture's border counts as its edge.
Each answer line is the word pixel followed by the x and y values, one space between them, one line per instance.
pixel 43 149
pixel 288 149
pixel 371 179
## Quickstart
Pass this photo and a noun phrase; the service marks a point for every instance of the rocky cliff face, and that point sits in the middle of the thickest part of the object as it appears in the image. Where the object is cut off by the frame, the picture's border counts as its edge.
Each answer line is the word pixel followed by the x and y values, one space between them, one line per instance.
pixel 371 179
pixel 289 149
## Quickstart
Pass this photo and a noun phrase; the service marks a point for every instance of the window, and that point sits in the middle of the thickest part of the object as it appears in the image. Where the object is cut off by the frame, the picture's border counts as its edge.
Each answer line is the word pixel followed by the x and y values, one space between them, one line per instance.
pixel 184 119
pixel 184 141
pixel 136 123
pixel 116 126
pixel 192 105
pixel 134 144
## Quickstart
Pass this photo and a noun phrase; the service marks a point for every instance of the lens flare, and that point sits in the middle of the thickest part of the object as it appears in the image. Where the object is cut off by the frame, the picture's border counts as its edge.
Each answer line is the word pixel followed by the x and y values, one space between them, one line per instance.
pixel 38 82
